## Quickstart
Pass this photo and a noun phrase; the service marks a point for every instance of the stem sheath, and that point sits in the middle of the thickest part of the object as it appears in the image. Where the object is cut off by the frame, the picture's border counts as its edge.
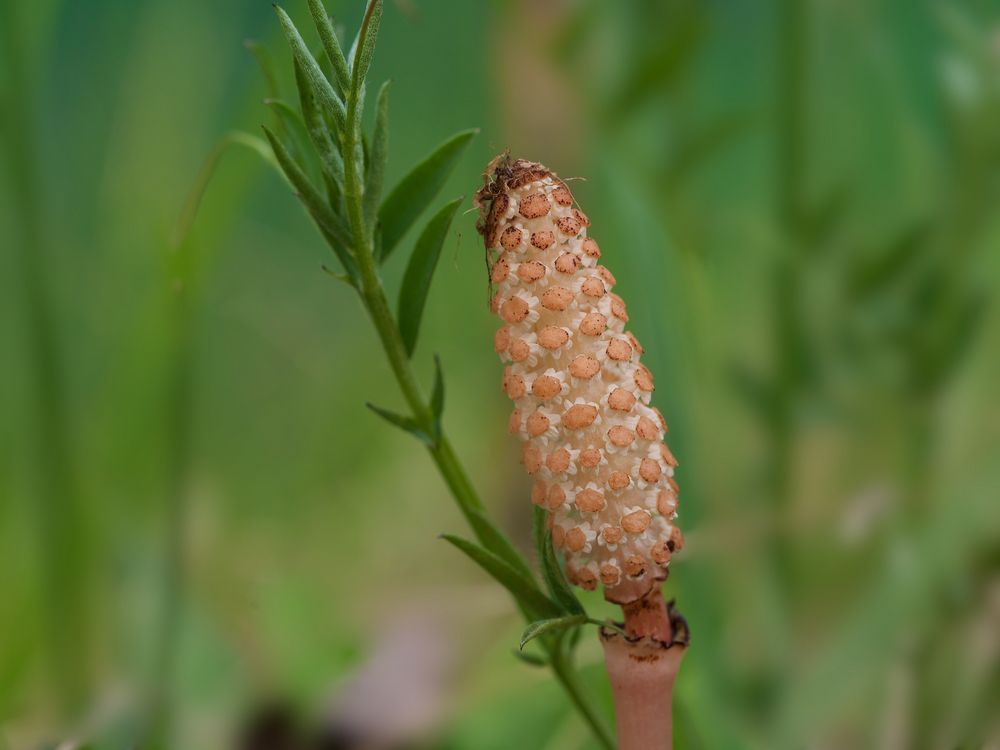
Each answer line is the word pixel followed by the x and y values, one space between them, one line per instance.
pixel 642 667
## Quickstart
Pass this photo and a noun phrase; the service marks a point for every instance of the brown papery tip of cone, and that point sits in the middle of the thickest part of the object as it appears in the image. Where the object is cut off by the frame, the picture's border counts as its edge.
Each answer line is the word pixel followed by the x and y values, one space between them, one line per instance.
pixel 502 174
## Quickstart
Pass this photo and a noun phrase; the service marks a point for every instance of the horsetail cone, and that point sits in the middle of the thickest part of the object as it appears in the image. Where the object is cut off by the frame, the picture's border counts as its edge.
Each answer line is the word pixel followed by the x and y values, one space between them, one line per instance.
pixel 590 438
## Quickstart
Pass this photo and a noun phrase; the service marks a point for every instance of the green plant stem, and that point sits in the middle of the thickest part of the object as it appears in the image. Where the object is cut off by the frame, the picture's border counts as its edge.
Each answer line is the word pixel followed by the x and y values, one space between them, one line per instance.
pixel 373 295
pixel 159 704
pixel 61 528
pixel 568 678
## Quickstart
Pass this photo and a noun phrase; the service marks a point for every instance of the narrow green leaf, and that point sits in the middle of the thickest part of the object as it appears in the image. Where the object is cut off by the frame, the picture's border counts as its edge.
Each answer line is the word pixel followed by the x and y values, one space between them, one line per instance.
pixel 190 209
pixel 556 624
pixel 325 94
pixel 523 590
pixel 331 45
pixel 531 659
pixel 263 58
pixel 336 274
pixel 329 224
pixel 407 424
pixel 497 542
pixel 292 128
pixel 420 272
pixel 319 134
pixel 552 573
pixel 365 43
pixel 416 191
pixel 437 397
pixel 375 172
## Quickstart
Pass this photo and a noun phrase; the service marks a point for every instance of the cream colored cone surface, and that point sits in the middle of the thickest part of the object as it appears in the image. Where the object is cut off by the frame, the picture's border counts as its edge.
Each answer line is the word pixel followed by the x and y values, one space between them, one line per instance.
pixel 581 397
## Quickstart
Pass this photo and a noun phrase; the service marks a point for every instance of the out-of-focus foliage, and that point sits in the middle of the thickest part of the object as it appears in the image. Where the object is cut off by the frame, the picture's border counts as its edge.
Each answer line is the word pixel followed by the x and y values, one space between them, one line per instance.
pixel 197 512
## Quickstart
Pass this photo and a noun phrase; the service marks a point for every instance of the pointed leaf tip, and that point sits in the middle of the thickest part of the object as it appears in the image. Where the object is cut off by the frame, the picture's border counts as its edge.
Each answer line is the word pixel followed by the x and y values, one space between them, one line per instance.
pixel 321 87
pixel 331 45
pixel 364 45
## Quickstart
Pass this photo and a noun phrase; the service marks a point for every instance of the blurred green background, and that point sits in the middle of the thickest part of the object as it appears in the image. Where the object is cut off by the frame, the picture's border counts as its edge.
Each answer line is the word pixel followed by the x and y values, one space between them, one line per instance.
pixel 205 536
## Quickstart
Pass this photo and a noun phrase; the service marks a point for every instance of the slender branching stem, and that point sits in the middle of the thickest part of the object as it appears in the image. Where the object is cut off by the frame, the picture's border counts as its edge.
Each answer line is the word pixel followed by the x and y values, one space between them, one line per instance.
pixel 570 681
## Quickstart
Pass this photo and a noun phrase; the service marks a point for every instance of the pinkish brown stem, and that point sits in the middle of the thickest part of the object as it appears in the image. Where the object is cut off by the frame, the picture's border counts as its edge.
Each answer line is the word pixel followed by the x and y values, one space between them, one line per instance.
pixel 642 666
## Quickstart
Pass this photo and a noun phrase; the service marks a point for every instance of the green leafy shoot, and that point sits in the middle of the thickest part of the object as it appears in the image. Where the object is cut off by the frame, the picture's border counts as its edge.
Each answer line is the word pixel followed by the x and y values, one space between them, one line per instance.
pixel 363 229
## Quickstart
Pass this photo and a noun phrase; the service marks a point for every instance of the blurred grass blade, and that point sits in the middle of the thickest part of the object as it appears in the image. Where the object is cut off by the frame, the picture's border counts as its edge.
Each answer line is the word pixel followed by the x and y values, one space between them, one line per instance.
pixel 375 172
pixel 191 204
pixel 324 92
pixel 331 45
pixel 868 277
pixel 700 147
pixel 407 424
pixel 416 191
pixel 821 221
pixel 332 227
pixel 553 625
pixel 319 134
pixel 263 58
pixel 756 391
pixel 955 329
pixel 657 71
pixel 552 573
pixel 420 273
pixel 523 590
pixel 437 397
